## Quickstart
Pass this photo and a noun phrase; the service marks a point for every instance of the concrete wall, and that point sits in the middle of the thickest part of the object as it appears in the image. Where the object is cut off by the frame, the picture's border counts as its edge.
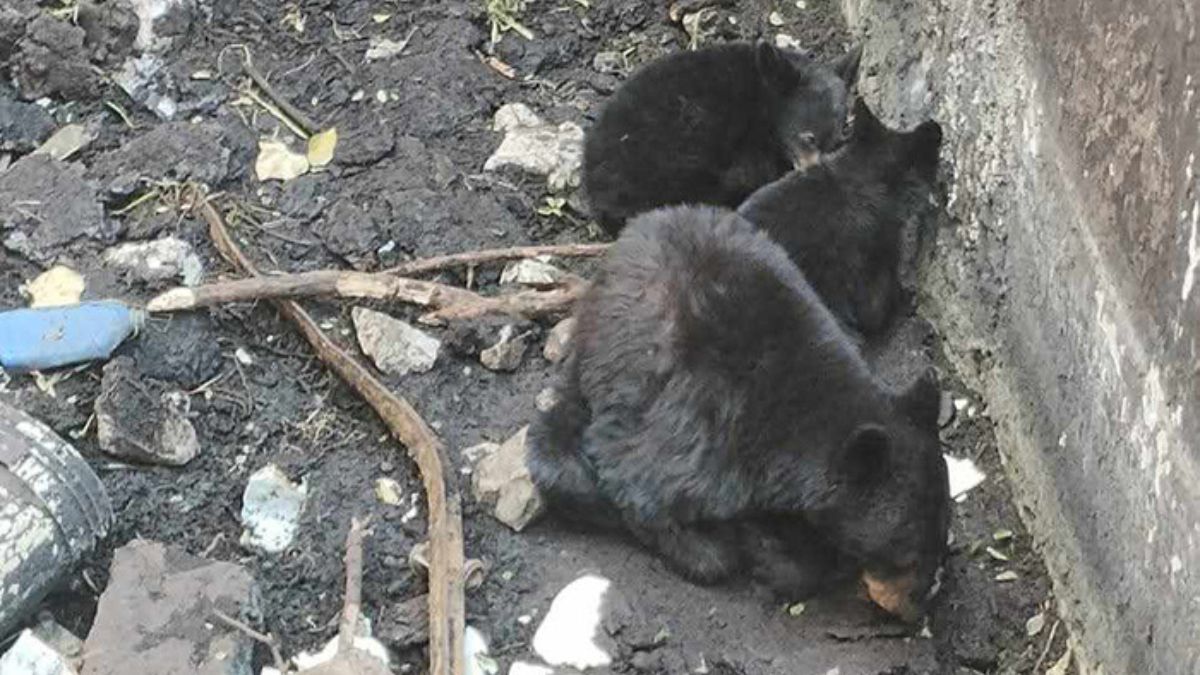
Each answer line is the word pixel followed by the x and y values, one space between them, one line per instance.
pixel 1066 281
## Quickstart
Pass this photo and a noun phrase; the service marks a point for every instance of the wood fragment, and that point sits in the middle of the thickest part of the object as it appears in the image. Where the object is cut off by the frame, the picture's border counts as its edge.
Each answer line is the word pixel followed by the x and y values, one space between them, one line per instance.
pixel 446 604
pixel 352 601
pixel 438 263
pixel 303 121
pixel 531 304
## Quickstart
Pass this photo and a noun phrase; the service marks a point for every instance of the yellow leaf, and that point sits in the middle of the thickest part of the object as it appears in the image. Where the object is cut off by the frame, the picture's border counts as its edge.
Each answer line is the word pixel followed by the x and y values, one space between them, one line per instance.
pixel 276 162
pixel 320 147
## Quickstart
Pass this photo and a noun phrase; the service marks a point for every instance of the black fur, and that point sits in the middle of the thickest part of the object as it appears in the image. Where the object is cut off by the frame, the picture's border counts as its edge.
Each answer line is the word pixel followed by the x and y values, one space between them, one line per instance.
pixel 841 219
pixel 711 396
pixel 710 127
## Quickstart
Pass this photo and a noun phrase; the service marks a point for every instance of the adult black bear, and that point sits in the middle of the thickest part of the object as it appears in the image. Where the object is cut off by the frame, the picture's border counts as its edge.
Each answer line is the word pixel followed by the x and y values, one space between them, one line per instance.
pixel 709 387
pixel 710 127
pixel 841 218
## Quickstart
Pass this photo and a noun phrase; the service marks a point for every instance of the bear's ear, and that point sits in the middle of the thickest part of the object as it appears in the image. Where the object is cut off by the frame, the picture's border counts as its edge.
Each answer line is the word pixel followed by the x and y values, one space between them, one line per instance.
pixel 866 125
pixel 922 400
pixel 866 455
pixel 846 65
pixel 773 66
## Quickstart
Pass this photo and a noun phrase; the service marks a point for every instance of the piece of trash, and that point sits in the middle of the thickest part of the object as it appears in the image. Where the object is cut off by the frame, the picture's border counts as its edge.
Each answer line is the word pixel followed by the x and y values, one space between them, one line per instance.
pixel 1035 624
pixel 475 654
pixel 271 509
pixel 42 338
pixel 567 635
pixel 556 341
pixel 29 655
pixel 243 357
pixel 508 352
pixel 396 347
pixel 157 260
pixel 996 555
pixel 387 490
pixel 796 609
pixel 531 272
pixel 1002 535
pixel 503 477
pixel 1007 575
pixel 963 475
pixel 142 419
pixel 150 586
pixel 66 142
pixel 276 161
pixel 321 146
pixel 537 147
pixel 57 286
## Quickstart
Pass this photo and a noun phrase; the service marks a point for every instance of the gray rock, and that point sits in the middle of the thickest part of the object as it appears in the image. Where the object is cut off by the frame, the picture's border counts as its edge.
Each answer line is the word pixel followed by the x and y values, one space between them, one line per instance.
pixel 156 615
pixel 396 347
pixel 181 151
pixel 159 260
pixel 537 147
pixel 23 126
pixel 608 62
pixel 546 399
pixel 46 204
pixel 30 655
pixel 556 342
pixel 506 355
pixel 271 509
pixel 502 478
pixel 142 419
pixel 51 60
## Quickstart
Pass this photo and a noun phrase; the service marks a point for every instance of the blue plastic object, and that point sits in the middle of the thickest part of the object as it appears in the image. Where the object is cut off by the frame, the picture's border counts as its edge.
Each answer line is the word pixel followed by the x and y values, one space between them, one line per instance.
pixel 48 337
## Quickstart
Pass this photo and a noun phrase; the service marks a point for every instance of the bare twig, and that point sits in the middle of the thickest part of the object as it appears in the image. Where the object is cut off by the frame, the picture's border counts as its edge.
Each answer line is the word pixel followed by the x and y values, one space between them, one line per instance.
pixel 426 265
pixel 352 603
pixel 1046 650
pixel 297 115
pixel 446 605
pixel 529 304
pixel 265 638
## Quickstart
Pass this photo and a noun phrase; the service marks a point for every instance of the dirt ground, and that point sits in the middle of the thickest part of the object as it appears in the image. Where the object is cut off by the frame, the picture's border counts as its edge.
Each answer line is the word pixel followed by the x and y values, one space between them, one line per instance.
pixel 407 181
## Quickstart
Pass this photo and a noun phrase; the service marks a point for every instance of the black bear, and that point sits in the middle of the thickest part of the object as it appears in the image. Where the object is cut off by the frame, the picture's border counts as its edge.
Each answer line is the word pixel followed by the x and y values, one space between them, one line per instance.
pixel 711 126
pixel 841 219
pixel 708 387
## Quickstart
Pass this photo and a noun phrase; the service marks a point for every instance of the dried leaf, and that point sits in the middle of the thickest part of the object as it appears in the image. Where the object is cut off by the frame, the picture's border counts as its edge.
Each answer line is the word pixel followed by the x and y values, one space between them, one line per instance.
pixel 1035 624
pixel 1007 575
pixel 56 286
pixel 1002 535
pixel 277 162
pixel 997 554
pixel 65 142
pixel 320 147
pixel 388 491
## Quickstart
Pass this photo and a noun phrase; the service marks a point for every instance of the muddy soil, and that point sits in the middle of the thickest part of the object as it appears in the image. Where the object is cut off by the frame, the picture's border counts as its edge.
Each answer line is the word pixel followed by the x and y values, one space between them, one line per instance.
pixel 407 181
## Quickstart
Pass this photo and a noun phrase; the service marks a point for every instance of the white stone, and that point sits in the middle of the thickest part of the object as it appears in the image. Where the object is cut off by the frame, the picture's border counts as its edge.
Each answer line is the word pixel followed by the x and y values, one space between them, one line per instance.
pixel 271 509
pixel 569 633
pixel 158 260
pixel 556 342
pixel 535 146
pixel 523 668
pixel 476 660
pixel 506 355
pixel 964 475
pixel 503 477
pixel 395 346
pixel 30 656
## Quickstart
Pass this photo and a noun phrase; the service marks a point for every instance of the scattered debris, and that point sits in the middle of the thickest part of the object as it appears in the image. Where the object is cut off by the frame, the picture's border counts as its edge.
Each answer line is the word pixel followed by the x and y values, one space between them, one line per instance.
pixel 157 260
pixel 29 655
pixel 142 419
pixel 388 491
pixel 321 147
pixel 568 634
pixel 556 341
pixel 43 338
pixel 532 145
pixel 502 477
pixel 271 509
pixel 57 286
pixel 396 347
pixel 154 615
pixel 531 272
pixel 37 225
pixel 66 142
pixel 508 352
pixel 964 475
pixel 1035 624
pixel 278 162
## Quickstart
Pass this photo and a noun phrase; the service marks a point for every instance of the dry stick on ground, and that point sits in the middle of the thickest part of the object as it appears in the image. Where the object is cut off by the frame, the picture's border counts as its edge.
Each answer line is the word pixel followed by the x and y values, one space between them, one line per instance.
pixel 442 262
pixel 265 638
pixel 285 105
pixel 446 605
pixel 448 302
pixel 352 604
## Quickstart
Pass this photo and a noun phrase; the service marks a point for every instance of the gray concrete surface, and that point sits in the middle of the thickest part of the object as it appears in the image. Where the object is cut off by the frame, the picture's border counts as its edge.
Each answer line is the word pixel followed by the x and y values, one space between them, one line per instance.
pixel 1065 278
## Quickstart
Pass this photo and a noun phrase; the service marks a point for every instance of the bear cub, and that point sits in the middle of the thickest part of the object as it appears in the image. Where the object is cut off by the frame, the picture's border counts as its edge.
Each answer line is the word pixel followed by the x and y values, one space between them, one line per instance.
pixel 711 126
pixel 709 396
pixel 842 219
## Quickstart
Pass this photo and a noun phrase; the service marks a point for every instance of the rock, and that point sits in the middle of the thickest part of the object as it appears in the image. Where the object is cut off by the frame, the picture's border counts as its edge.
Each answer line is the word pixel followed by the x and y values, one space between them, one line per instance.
pixel 503 478
pixel 45 204
pixel 23 126
pixel 546 399
pixel 159 21
pixel 183 351
pixel 556 342
pixel 388 491
pixel 51 61
pixel 531 272
pixel 14 16
pixel 572 633
pixel 59 639
pixel 59 285
pixel 368 657
pixel 66 142
pixel 507 353
pixel 156 615
pixel 475 651
pixel 30 655
pixel 141 419
pixel 534 146
pixel 144 79
pixel 963 475
pixel 109 29
pixel 158 260
pixel 523 668
pixel 396 347
pixel 407 624
pixel 181 151
pixel 608 62
pixel 271 509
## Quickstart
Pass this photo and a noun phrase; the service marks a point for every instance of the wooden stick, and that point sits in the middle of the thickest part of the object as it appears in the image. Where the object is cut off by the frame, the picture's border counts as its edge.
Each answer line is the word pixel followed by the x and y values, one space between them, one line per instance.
pixel 437 263
pixel 284 105
pixel 529 304
pixel 352 603
pixel 447 613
